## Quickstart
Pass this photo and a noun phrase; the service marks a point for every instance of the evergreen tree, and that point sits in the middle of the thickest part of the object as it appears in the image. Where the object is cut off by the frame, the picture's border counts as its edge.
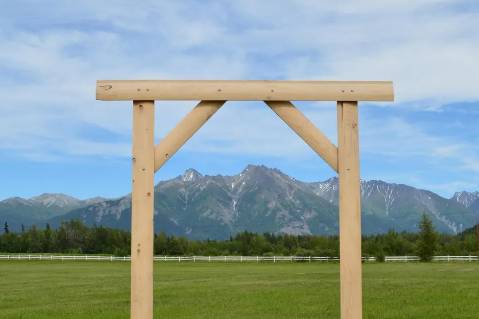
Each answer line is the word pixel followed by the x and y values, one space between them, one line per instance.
pixel 76 237
pixel 161 245
pixel 5 228
pixel 47 239
pixel 427 239
pixel 34 240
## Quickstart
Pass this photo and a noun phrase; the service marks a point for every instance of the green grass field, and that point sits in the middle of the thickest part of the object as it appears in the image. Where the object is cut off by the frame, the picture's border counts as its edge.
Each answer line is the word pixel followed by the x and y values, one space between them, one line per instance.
pixel 42 289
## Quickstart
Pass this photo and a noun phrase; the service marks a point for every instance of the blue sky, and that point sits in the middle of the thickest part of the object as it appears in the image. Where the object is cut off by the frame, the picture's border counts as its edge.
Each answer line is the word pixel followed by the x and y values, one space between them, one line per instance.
pixel 54 136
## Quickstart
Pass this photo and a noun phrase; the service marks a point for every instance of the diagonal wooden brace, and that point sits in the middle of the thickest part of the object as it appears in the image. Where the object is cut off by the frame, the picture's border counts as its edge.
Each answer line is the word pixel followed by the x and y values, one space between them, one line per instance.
pixel 184 131
pixel 306 130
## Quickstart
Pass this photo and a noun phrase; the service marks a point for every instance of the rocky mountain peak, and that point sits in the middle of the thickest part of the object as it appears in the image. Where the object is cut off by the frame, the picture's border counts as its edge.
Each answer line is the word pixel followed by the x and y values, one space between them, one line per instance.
pixel 255 169
pixel 55 199
pixel 94 200
pixel 191 175
pixel 259 199
pixel 17 201
pixel 261 170
pixel 262 176
pixel 466 199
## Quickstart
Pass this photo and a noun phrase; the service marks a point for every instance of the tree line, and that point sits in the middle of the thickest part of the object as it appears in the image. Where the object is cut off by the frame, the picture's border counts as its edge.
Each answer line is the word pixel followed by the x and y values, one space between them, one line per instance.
pixel 74 237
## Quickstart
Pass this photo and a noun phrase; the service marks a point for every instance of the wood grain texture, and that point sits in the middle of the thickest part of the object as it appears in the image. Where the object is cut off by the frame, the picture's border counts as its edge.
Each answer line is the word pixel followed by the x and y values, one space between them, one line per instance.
pixel 349 211
pixel 307 131
pixel 185 129
pixel 142 210
pixel 110 90
pixel 147 158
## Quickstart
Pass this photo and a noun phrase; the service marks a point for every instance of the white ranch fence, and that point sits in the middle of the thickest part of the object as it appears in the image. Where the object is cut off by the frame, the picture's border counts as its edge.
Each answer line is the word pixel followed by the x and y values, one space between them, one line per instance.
pixel 272 259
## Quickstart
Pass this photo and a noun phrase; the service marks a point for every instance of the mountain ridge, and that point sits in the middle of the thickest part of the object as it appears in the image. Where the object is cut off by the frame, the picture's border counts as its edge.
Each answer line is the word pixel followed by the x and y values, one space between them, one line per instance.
pixel 468 199
pixel 263 199
pixel 20 212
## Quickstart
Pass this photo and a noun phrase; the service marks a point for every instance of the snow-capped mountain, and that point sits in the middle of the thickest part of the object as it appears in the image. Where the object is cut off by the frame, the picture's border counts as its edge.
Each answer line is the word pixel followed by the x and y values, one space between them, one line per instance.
pixel 17 211
pixel 467 199
pixel 259 199
pixel 262 199
pixel 399 206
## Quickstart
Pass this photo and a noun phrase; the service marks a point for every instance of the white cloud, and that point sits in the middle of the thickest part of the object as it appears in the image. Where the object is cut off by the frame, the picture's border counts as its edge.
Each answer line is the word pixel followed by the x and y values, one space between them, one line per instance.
pixel 396 137
pixel 427 47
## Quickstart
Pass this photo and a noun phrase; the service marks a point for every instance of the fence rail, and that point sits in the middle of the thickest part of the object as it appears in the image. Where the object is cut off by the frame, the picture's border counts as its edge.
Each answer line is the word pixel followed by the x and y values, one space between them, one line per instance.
pixel 272 259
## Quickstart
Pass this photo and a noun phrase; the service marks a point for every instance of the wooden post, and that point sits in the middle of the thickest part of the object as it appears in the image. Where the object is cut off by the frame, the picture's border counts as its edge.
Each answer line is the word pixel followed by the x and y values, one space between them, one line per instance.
pixel 349 211
pixel 344 158
pixel 142 210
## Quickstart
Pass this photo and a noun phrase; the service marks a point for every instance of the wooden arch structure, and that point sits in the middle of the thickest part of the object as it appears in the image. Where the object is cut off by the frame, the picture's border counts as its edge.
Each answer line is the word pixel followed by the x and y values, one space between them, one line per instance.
pixel 148 158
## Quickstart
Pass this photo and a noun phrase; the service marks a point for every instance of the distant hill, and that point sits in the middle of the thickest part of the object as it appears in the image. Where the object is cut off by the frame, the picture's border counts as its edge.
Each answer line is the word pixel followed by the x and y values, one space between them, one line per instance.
pixel 399 207
pixel 19 211
pixel 259 199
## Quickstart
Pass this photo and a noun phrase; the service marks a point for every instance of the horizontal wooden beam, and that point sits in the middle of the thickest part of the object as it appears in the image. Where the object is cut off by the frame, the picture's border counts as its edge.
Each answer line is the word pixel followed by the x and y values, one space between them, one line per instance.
pixel 184 130
pixel 113 90
pixel 299 123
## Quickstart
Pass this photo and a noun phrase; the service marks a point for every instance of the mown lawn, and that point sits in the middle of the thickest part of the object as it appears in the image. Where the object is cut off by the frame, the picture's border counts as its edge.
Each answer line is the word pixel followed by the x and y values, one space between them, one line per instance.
pixel 43 289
